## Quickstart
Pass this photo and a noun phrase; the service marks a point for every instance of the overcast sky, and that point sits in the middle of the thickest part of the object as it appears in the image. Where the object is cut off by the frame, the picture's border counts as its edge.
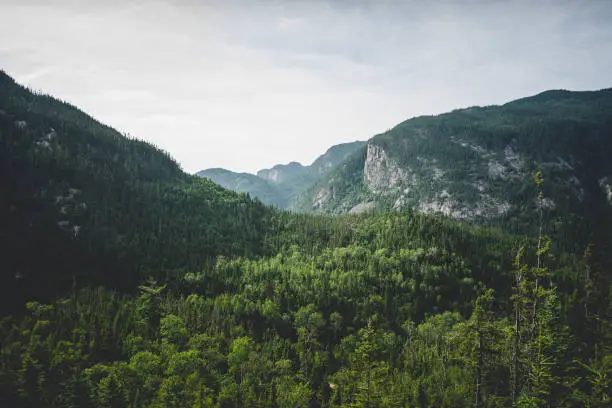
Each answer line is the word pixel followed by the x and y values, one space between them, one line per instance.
pixel 248 84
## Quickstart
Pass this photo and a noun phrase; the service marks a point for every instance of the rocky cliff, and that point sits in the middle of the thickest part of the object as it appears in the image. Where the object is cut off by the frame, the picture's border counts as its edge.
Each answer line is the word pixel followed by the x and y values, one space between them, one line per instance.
pixel 478 163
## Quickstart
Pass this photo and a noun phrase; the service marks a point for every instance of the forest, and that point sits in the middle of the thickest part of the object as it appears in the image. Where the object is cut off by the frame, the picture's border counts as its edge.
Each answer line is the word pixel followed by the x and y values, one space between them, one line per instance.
pixel 126 282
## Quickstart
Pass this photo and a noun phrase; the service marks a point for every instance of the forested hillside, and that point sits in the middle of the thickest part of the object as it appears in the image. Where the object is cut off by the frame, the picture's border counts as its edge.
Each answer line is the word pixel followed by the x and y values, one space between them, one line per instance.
pixel 81 202
pixel 476 164
pixel 255 186
pixel 282 185
pixel 128 283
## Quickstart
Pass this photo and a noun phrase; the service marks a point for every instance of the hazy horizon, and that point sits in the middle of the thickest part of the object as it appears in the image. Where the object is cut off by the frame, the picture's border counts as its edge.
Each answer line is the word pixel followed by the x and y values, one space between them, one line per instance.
pixel 247 85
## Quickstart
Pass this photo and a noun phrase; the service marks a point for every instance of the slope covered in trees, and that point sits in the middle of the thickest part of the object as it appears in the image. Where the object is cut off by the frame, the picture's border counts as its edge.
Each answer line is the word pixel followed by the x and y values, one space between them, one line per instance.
pixel 282 185
pixel 476 163
pixel 379 311
pixel 172 292
pixel 255 186
pixel 82 202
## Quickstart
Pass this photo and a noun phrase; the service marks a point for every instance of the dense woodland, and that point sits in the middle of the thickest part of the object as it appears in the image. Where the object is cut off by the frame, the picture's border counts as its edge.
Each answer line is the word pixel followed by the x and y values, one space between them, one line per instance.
pixel 127 283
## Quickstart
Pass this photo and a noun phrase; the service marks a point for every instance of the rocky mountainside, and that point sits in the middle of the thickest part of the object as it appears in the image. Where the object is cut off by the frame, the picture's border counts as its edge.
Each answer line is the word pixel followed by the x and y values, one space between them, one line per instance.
pixel 126 282
pixel 478 163
pixel 282 184
pixel 284 173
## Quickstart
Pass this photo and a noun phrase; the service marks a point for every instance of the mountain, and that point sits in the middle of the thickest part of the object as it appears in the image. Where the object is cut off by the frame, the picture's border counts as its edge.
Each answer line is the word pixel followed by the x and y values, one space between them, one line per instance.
pixel 81 203
pixel 125 282
pixel 256 186
pixel 282 184
pixel 284 173
pixel 334 156
pixel 478 163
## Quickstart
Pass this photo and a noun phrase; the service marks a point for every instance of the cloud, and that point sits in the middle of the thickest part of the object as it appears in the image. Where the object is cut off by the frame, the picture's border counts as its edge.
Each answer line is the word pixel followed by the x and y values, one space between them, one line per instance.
pixel 288 23
pixel 126 95
pixel 247 84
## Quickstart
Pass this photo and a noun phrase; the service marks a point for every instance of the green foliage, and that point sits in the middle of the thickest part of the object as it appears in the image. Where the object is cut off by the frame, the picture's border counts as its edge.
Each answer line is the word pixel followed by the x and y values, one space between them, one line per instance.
pixel 176 293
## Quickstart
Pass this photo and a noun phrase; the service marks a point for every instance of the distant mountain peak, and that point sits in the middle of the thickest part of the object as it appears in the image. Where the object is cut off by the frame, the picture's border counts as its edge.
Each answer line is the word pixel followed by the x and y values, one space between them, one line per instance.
pixel 282 184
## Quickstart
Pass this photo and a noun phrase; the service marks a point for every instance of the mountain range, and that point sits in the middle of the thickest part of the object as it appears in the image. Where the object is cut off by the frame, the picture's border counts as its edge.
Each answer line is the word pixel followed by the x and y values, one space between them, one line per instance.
pixel 472 164
pixel 282 185
pixel 417 271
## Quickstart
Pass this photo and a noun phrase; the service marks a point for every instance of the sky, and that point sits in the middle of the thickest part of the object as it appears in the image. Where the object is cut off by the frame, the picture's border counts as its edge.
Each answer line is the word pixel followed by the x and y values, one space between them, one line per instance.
pixel 247 84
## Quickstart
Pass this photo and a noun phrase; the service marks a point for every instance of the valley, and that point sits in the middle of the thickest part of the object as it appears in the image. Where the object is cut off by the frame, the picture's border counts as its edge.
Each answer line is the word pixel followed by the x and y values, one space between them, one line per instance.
pixel 456 260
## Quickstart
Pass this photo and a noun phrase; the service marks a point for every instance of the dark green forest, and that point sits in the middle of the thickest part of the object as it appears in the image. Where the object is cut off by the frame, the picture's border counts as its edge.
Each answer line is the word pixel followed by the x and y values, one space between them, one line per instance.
pixel 126 282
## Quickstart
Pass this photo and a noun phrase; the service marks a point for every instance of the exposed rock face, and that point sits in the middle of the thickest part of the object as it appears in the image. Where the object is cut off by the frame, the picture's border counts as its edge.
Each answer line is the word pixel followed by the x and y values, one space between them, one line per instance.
pixel 283 172
pixel 322 196
pixel 271 174
pixel 45 142
pixel 427 187
pixel 71 210
pixel 446 204
pixel 381 173
pixel 496 169
pixel 513 166
pixel 363 207
pixel 547 203
pixel 514 160
pixel 605 185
